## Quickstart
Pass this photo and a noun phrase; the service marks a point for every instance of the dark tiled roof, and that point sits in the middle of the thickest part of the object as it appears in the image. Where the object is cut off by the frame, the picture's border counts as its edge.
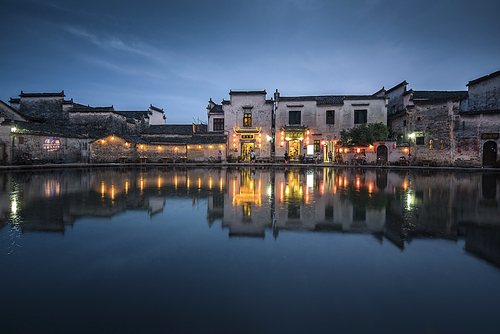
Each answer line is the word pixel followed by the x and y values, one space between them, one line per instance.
pixel 174 129
pixel 335 100
pixel 217 109
pixel 433 96
pixel 191 140
pixel 246 92
pixel 61 94
pixel 396 87
pixel 138 114
pixel 155 108
pixel 486 77
pixel 36 128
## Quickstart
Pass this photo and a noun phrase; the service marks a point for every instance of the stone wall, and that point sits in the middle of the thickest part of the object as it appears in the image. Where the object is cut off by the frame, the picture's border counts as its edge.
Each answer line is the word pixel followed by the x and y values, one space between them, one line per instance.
pixel 70 149
pixel 112 148
pixel 484 93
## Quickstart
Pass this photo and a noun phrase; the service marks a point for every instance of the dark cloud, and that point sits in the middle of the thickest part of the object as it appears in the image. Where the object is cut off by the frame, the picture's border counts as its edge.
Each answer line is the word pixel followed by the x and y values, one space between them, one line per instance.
pixel 178 54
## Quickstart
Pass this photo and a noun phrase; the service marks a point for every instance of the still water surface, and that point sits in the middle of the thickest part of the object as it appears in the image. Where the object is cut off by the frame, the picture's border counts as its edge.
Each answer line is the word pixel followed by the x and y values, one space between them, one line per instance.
pixel 249 251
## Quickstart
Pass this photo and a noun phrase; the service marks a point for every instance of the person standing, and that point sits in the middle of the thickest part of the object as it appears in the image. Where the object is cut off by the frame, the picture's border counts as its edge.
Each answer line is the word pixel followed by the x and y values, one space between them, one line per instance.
pixel 330 156
pixel 286 157
pixel 252 156
pixel 219 155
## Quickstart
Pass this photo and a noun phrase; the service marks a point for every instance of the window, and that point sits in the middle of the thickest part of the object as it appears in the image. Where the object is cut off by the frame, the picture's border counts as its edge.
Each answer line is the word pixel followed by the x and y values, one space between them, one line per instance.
pixel 360 116
pixel 21 140
pixel 419 140
pixel 247 119
pixel 294 117
pixel 404 122
pixel 316 146
pixel 218 124
pixel 330 117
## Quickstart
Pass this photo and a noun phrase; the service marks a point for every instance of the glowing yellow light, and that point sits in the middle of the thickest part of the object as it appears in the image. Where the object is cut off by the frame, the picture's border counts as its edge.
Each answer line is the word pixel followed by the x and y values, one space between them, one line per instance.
pixel 260 145
pixel 113 138
pixel 142 146
pixel 175 148
pixel 210 146
pixel 199 146
pixel 159 147
pixel 307 132
pixel 102 141
pixel 221 146
pixel 126 144
pixel 189 147
pixel 14 206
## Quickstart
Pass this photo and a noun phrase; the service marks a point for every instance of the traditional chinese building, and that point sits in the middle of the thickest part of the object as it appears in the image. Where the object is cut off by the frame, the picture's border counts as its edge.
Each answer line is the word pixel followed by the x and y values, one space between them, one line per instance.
pixel 247 119
pixel 311 125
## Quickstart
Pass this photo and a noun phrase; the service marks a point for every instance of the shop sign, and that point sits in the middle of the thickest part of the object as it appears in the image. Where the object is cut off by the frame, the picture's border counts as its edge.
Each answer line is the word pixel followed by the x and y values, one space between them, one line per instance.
pixel 51 144
pixel 490 136
pixel 295 134
pixel 248 137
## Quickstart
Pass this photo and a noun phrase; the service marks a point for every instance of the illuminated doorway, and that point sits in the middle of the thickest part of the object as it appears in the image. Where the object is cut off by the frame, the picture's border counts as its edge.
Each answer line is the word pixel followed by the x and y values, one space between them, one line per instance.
pixel 245 150
pixel 294 148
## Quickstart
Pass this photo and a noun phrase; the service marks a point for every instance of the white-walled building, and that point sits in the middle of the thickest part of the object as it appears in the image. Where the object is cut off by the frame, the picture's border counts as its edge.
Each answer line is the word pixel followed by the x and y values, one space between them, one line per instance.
pixel 311 124
pixel 247 120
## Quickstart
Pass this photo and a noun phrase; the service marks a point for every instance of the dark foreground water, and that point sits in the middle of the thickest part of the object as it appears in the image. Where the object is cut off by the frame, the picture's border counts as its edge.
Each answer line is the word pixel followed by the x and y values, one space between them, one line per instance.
pixel 249 251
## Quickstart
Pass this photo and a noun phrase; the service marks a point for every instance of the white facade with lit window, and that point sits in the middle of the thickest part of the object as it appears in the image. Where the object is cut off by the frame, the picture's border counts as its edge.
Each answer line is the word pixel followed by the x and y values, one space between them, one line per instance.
pixel 311 125
pixel 247 120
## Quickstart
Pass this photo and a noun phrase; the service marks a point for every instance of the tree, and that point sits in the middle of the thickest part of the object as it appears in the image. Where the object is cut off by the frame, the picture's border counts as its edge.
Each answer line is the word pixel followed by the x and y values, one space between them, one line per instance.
pixel 363 135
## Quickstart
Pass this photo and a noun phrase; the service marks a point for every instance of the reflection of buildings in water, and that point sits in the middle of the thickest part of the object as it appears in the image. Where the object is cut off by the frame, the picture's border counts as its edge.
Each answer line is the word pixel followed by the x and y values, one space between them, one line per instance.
pixel 484 242
pixel 49 201
pixel 247 201
pixel 248 212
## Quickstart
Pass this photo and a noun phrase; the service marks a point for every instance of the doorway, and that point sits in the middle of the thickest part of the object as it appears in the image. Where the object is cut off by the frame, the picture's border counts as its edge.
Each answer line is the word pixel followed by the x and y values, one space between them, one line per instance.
pixel 245 150
pixel 489 153
pixel 381 153
pixel 294 148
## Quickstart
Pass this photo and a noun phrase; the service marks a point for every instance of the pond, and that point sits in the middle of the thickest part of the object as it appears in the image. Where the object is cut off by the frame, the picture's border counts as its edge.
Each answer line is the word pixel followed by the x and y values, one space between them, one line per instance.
pixel 249 250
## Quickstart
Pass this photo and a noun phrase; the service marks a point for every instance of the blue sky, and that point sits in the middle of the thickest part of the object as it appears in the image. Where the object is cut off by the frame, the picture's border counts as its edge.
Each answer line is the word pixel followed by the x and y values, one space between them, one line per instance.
pixel 176 55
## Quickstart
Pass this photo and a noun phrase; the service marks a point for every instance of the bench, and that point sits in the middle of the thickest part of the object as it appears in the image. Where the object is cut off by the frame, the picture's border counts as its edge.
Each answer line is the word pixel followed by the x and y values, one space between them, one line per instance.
pixel 426 162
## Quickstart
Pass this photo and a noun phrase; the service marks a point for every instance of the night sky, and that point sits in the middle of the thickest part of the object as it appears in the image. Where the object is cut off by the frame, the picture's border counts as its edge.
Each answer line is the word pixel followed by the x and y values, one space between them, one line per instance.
pixel 176 55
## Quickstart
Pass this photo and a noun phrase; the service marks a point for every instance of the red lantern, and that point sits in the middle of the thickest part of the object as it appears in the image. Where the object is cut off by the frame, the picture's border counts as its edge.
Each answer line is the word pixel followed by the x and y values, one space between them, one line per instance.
pixel 466 148
pixel 459 144
pixel 475 141
pixel 459 150
pixel 467 141
pixel 476 148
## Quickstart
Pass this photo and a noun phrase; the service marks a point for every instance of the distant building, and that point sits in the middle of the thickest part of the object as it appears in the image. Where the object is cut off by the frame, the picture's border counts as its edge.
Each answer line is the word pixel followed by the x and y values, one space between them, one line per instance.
pixel 453 128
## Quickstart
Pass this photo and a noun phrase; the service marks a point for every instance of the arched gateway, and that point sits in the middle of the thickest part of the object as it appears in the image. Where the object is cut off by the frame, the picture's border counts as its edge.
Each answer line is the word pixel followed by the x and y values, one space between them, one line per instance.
pixel 382 153
pixel 489 153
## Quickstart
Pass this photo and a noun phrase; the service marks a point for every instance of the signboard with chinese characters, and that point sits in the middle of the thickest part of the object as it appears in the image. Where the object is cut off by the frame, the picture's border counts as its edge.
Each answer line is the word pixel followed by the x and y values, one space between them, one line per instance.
pixel 298 134
pixel 51 144
pixel 490 136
